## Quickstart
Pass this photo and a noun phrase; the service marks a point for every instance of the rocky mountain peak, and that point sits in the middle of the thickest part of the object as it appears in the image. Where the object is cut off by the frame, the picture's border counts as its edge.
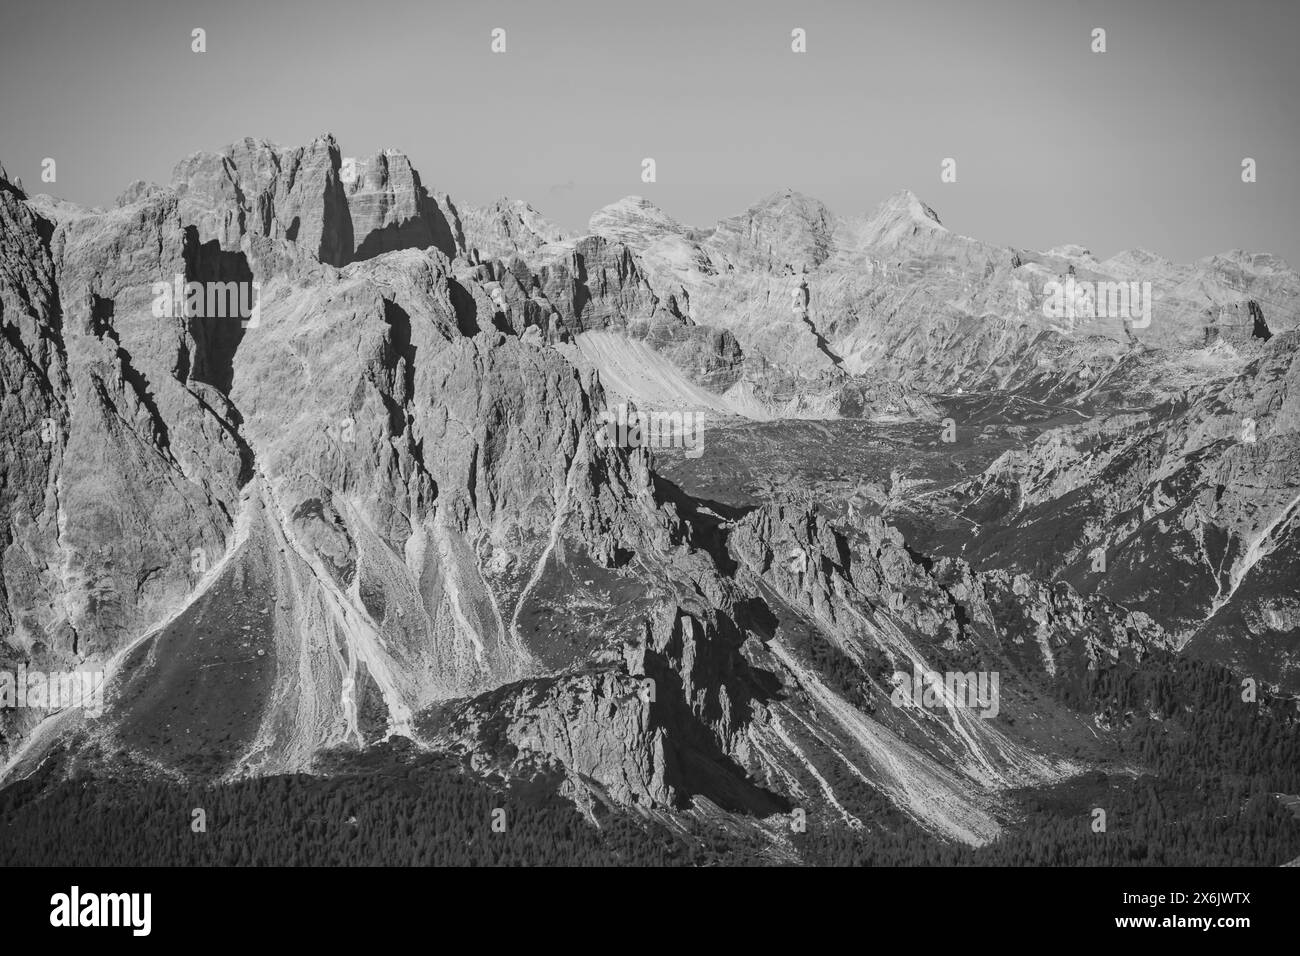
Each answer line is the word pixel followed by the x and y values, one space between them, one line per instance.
pixel 7 185
pixel 633 218
pixel 783 229
pixel 508 226
pixel 905 205
pixel 898 219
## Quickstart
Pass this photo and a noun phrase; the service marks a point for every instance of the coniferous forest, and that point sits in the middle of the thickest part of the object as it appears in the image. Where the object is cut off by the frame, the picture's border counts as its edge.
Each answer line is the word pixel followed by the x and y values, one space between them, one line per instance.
pixel 1200 787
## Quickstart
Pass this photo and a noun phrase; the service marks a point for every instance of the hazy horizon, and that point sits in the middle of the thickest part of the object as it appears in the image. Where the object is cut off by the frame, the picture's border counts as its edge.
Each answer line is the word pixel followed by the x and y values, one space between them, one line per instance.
pixel 1137 147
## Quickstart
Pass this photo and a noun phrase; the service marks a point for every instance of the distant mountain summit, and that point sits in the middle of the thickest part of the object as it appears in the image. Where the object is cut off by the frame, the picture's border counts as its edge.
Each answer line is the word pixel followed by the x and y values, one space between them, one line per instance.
pixel 633 219
pixel 785 228
pixel 507 226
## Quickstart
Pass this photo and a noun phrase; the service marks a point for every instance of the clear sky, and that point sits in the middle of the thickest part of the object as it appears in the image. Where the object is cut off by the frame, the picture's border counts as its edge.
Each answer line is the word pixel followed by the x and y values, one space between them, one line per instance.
pixel 1140 146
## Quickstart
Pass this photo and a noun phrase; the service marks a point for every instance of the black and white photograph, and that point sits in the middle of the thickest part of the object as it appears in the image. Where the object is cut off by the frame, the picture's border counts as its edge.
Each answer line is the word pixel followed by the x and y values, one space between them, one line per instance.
pixel 651 435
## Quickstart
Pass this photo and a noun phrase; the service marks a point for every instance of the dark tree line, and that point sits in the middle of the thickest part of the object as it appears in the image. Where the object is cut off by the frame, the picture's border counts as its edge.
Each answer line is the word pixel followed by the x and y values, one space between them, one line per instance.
pixel 1209 766
pixel 428 812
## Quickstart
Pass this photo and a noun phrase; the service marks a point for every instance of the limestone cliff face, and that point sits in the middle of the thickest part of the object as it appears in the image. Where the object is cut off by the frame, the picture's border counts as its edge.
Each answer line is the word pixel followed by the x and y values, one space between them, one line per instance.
pixel 337 209
pixel 33 417
pixel 141 443
pixel 256 189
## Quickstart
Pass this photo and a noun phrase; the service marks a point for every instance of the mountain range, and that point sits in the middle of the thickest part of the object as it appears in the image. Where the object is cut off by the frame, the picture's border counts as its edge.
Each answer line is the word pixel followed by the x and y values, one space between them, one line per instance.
pixel 380 510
